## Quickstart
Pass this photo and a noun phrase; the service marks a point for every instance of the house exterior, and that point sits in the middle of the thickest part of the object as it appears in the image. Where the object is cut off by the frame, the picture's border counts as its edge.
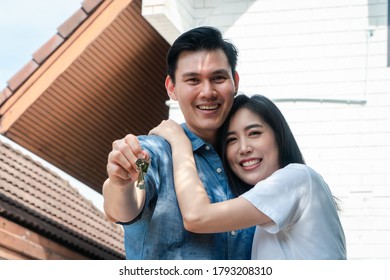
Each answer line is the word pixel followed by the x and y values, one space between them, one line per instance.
pixel 87 86
pixel 81 90
pixel 43 217
pixel 324 63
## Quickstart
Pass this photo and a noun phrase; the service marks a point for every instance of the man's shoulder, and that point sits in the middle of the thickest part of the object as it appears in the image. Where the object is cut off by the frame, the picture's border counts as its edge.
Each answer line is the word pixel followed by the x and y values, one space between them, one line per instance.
pixel 154 143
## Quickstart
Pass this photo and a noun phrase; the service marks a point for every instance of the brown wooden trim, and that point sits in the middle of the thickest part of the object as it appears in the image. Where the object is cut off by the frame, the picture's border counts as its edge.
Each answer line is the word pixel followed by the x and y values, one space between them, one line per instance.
pixel 6 254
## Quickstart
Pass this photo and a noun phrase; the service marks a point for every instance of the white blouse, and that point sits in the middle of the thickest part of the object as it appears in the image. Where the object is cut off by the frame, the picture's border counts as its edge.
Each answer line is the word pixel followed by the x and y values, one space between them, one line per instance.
pixel 305 223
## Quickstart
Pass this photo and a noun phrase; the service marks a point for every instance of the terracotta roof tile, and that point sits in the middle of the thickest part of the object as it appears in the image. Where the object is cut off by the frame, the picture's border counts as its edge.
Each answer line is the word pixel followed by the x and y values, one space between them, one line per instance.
pixel 48 48
pixel 20 77
pixel 90 5
pixel 4 94
pixel 70 25
pixel 34 196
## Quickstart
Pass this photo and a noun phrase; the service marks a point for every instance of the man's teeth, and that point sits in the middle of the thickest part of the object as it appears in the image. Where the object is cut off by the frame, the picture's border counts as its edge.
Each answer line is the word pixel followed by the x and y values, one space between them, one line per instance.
pixel 251 162
pixel 208 107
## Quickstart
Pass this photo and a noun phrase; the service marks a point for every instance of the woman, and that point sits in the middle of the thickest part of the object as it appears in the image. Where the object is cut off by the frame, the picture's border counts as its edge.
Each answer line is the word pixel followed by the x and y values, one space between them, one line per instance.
pixel 291 204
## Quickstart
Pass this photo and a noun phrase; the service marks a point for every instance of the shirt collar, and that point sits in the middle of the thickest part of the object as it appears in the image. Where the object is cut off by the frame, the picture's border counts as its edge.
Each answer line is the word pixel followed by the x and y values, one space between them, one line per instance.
pixel 197 142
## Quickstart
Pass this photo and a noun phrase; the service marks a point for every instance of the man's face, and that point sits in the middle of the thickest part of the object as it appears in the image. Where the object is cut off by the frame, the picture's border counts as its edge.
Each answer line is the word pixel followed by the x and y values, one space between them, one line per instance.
pixel 205 90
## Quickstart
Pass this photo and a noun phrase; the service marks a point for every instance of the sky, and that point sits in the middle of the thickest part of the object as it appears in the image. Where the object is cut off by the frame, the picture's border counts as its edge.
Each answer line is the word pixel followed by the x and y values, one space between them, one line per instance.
pixel 25 25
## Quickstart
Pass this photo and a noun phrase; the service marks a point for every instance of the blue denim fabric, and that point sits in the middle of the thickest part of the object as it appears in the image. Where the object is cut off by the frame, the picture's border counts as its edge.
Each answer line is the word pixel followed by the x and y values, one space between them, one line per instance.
pixel 158 232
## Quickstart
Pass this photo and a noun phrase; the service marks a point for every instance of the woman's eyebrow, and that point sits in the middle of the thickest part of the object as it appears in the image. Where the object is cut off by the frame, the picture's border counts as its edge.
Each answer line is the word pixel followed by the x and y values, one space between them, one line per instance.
pixel 255 125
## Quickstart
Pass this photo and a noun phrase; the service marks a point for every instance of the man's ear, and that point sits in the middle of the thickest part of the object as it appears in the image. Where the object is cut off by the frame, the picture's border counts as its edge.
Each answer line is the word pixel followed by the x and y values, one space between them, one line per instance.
pixel 236 81
pixel 170 87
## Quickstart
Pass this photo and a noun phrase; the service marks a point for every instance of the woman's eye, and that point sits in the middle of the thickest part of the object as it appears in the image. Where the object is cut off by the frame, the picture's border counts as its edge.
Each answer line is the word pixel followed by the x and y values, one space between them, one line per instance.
pixel 230 140
pixel 254 133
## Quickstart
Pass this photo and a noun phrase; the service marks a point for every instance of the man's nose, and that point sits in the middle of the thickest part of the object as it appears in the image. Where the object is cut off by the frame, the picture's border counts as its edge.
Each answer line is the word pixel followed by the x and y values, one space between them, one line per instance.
pixel 208 89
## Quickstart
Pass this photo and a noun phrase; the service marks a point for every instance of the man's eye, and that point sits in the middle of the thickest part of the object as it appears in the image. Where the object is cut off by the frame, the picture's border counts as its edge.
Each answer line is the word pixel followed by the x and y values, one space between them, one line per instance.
pixel 219 79
pixel 192 81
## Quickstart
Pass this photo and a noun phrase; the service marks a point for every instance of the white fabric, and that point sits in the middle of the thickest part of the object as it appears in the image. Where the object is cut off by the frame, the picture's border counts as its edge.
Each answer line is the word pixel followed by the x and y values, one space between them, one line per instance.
pixel 306 222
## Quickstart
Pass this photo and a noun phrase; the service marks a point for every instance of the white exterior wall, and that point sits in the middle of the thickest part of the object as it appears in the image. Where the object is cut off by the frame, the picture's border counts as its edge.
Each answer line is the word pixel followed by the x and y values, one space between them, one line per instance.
pixel 324 49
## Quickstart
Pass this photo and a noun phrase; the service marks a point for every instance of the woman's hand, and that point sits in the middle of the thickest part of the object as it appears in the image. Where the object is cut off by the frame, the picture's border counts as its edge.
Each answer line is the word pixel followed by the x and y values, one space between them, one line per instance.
pixel 170 130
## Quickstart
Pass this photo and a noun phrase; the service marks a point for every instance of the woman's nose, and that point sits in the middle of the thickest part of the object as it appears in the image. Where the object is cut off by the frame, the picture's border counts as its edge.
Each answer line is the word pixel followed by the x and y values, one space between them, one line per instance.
pixel 245 148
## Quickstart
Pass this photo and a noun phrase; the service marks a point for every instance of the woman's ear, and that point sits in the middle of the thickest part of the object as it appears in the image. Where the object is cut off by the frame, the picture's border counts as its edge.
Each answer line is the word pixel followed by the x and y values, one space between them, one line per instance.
pixel 170 87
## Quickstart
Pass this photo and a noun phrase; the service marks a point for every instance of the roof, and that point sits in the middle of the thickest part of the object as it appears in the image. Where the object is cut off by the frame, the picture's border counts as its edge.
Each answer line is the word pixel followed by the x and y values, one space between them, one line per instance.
pixel 38 199
pixel 99 78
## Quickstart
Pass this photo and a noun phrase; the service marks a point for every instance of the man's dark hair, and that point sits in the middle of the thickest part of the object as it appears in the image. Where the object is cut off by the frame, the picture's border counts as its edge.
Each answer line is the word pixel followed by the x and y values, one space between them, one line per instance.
pixel 199 39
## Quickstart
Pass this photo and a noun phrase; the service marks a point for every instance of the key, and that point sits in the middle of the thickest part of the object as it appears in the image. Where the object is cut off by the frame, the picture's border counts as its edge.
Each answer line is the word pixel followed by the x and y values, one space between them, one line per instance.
pixel 141 180
pixel 142 168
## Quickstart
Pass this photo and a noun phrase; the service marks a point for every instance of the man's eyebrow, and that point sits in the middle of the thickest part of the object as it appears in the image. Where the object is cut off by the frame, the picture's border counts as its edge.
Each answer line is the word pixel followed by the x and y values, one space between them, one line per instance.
pixel 194 74
pixel 190 74
pixel 221 71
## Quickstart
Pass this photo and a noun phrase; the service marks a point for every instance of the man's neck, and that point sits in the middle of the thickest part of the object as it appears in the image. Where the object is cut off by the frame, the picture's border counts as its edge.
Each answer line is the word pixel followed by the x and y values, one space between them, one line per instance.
pixel 209 137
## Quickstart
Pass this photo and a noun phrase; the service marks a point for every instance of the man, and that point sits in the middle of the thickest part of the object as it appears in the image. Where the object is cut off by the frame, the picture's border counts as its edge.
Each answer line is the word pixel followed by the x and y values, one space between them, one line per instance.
pixel 202 77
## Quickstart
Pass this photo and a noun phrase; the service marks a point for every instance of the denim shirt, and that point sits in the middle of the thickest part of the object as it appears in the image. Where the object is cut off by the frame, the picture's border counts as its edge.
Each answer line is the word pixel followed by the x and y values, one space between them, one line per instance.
pixel 158 232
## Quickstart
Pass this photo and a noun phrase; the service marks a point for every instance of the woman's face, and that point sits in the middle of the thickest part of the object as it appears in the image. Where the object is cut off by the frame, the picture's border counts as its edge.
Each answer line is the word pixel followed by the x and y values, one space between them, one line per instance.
pixel 251 148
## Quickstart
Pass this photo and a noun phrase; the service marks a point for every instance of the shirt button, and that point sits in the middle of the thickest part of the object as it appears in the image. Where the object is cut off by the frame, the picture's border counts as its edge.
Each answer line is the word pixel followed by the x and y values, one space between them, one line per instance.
pixel 207 148
pixel 219 170
pixel 233 233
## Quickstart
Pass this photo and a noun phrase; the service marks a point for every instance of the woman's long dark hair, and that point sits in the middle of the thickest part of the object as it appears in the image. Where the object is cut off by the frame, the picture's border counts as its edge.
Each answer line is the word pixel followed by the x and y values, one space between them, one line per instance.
pixel 289 151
